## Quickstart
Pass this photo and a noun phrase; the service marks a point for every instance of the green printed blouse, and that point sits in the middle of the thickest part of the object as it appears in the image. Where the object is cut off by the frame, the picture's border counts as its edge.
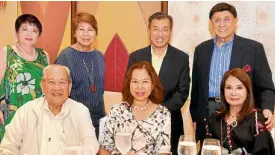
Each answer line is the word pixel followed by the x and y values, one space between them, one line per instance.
pixel 21 82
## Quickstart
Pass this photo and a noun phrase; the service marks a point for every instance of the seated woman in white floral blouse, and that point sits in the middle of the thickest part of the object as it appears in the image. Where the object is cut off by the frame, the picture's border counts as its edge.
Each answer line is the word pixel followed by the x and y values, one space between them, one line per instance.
pixel 147 123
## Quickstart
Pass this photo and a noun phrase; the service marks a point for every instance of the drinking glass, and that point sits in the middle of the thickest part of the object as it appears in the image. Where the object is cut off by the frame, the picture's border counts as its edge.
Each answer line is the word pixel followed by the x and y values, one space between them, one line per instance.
pixel 211 147
pixel 123 140
pixel 187 145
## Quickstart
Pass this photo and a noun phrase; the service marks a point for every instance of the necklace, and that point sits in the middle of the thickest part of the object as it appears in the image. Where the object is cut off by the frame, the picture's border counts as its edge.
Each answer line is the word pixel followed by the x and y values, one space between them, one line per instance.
pixel 233 124
pixel 20 48
pixel 91 76
pixel 144 107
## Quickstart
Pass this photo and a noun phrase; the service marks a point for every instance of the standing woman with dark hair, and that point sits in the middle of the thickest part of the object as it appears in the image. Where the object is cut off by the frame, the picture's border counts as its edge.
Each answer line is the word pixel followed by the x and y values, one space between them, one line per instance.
pixel 141 113
pixel 238 125
pixel 21 67
pixel 87 67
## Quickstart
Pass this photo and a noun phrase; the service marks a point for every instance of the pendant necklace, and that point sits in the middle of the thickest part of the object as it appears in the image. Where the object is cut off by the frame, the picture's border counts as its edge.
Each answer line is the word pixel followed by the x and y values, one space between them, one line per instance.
pixel 233 125
pixel 91 76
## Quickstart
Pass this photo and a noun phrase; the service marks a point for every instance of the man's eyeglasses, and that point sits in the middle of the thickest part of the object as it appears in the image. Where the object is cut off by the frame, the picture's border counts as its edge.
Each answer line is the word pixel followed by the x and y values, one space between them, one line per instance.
pixel 226 20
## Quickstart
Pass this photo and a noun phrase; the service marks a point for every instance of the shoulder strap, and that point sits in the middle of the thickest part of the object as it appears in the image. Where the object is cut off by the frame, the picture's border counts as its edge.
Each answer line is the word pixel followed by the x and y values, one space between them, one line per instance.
pixel 40 50
pixel 42 57
pixel 9 52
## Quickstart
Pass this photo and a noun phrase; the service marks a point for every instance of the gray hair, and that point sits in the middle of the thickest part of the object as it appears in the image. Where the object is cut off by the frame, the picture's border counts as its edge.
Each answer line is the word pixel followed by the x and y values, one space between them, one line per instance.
pixel 47 68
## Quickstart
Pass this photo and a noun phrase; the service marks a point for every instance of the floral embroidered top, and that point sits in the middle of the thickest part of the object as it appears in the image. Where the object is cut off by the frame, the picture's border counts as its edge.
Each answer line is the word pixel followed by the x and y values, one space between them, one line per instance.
pixel 21 82
pixel 149 136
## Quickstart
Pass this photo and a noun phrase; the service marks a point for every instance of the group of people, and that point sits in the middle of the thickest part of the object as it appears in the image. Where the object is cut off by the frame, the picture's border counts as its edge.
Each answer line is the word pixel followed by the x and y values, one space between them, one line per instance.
pixel 46 109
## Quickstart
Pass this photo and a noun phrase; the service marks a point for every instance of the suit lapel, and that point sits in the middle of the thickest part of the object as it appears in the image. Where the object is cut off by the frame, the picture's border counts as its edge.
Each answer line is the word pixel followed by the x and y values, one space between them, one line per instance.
pixel 237 53
pixel 148 55
pixel 207 56
pixel 166 62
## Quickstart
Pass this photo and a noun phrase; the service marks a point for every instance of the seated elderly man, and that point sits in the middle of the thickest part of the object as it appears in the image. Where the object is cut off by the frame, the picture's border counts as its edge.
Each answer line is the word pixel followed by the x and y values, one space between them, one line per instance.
pixel 51 124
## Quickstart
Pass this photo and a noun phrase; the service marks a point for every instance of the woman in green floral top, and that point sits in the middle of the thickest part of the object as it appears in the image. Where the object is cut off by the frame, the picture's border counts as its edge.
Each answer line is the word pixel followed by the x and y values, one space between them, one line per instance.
pixel 21 68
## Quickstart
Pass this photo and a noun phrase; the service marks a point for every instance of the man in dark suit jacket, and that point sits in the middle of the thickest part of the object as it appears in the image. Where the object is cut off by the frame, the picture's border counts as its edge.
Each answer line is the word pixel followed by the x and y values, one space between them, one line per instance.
pixel 172 66
pixel 226 51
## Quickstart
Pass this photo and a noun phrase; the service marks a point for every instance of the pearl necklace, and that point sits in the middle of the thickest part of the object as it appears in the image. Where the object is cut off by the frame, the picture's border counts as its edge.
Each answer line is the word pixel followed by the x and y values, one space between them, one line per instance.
pixel 20 48
pixel 144 107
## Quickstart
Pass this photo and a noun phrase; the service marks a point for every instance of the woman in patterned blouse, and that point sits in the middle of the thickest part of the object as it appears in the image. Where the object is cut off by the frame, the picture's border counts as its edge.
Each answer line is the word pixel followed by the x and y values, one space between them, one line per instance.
pixel 141 115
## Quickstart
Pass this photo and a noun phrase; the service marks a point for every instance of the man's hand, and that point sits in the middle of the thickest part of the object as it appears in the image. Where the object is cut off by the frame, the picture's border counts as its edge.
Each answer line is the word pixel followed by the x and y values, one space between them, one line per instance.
pixel 269 123
pixel 1 117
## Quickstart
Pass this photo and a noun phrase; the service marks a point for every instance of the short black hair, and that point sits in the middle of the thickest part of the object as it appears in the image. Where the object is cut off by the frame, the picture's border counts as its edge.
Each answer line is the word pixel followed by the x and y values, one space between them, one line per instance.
pixel 223 7
pixel 159 16
pixel 28 18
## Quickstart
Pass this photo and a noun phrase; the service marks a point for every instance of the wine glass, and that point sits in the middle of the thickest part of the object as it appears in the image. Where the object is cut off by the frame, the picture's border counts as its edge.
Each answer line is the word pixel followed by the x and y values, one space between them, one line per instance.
pixel 123 140
pixel 187 145
pixel 211 147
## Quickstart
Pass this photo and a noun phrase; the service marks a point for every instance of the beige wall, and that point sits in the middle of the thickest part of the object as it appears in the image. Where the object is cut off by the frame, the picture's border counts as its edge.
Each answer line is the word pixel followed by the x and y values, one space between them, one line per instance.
pixel 127 19
pixel 7 18
pixel 256 21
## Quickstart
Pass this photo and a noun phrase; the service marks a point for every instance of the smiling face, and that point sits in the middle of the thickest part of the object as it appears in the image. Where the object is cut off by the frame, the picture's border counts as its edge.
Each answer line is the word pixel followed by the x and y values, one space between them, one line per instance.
pixel 140 85
pixel 159 33
pixel 85 34
pixel 235 92
pixel 56 86
pixel 224 25
pixel 27 34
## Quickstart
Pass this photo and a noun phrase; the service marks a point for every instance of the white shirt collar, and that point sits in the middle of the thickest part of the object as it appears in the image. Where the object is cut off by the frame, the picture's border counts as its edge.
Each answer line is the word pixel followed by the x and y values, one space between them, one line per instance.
pixel 162 56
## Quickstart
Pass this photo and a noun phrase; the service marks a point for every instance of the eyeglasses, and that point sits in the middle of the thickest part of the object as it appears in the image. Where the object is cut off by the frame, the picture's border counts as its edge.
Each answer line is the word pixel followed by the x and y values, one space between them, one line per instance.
pixel 226 20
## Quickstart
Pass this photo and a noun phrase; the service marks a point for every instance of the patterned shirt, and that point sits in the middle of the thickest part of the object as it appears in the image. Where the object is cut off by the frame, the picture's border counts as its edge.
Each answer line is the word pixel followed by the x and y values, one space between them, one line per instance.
pixel 149 136
pixel 219 65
